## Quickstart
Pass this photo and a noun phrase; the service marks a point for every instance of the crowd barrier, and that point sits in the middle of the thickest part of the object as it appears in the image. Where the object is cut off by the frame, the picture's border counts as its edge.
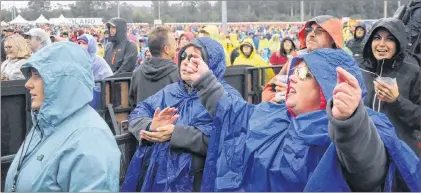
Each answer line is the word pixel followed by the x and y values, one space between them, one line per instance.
pixel 113 107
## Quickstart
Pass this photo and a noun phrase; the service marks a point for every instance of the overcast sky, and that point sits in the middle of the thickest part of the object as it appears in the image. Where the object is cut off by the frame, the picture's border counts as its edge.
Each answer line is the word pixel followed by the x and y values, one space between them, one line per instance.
pixel 21 4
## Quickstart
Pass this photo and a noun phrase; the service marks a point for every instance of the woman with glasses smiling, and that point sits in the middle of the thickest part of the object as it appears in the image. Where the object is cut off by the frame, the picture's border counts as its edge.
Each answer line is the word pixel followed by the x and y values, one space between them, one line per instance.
pixel 17 51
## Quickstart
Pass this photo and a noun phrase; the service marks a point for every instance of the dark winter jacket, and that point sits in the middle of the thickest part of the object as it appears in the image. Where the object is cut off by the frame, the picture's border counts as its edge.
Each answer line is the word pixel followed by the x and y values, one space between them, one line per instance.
pixel 405 112
pixel 355 45
pixel 121 53
pixel 153 75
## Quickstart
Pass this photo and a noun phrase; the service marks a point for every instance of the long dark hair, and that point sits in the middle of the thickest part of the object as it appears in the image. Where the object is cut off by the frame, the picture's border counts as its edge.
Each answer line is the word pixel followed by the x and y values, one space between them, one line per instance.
pixel 282 51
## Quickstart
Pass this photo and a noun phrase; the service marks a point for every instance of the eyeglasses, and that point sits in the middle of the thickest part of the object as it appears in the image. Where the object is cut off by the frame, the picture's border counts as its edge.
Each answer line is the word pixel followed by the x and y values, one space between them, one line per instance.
pixel 184 55
pixel 302 72
pixel 317 31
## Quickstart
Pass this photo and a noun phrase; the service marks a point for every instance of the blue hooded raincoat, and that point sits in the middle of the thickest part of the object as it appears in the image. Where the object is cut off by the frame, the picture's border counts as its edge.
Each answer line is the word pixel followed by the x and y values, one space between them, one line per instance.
pixel 70 148
pixel 100 68
pixel 262 148
pixel 170 171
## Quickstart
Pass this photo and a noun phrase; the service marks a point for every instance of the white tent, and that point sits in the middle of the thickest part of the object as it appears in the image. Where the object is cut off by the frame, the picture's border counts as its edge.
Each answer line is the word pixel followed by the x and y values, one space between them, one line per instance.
pixel 41 20
pixel 59 20
pixel 3 23
pixel 19 20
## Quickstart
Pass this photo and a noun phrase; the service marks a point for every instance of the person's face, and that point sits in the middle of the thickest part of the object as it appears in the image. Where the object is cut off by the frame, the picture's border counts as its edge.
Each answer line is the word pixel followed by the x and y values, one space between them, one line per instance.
pixel 246 50
pixel 360 32
pixel 183 41
pixel 317 37
pixel 106 35
pixel 11 49
pixel 185 61
pixel 383 45
pixel 113 31
pixel 65 36
pixel 287 45
pixel 33 43
pixel 84 45
pixel 170 48
pixel 303 91
pixel 35 85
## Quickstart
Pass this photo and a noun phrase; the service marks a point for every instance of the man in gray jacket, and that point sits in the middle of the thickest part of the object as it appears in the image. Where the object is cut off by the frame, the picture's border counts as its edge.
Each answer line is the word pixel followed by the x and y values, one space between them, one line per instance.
pixel 120 53
pixel 158 71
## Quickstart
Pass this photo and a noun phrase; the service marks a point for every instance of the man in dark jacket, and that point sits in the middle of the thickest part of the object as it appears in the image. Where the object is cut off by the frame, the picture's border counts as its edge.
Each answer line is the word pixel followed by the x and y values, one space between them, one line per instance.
pixel 121 53
pixel 157 71
pixel 355 44
pixel 399 101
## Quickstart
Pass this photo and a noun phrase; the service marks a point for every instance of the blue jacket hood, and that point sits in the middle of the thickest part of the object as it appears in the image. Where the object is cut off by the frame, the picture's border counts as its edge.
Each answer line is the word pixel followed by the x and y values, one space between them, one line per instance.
pixel 212 54
pixel 92 45
pixel 324 68
pixel 66 71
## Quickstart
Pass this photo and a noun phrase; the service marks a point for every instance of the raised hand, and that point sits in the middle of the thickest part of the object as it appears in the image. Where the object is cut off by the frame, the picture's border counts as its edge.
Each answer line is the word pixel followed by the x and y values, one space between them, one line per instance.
pixel 346 95
pixel 165 117
pixel 197 67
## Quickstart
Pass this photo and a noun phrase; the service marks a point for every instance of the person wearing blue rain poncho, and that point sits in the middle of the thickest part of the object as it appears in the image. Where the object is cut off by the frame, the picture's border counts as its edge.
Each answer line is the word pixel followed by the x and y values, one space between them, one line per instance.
pixel 70 148
pixel 322 139
pixel 100 67
pixel 172 153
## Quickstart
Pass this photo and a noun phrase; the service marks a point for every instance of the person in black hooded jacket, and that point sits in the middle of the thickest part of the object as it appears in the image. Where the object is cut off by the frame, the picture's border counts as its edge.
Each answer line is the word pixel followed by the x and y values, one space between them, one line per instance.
pixel 120 53
pixel 384 52
pixel 355 45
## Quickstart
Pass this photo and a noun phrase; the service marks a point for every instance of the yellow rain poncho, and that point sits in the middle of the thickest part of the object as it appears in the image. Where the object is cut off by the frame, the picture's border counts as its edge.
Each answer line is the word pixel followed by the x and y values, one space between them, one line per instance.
pixel 226 43
pixel 254 60
pixel 234 40
pixel 275 43
pixel 263 43
pixel 213 32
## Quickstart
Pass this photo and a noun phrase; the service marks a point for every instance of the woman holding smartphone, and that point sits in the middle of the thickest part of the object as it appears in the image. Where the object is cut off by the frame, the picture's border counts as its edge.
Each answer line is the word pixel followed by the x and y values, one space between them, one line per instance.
pixel 393 84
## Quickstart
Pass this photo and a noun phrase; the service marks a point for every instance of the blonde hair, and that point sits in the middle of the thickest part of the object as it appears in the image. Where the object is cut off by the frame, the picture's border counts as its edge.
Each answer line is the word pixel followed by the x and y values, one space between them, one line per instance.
pixel 24 52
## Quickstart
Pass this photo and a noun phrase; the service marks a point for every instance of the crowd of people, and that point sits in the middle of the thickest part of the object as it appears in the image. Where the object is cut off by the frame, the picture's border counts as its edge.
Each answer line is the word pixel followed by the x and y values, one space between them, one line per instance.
pixel 338 116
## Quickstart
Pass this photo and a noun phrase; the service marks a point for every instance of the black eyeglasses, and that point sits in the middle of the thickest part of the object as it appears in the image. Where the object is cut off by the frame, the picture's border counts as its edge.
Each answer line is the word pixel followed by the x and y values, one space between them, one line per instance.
pixel 317 31
pixel 184 55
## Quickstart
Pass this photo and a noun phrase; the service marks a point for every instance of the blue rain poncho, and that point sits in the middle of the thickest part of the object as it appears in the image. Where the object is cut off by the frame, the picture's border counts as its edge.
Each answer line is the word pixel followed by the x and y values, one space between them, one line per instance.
pixel 167 170
pixel 262 148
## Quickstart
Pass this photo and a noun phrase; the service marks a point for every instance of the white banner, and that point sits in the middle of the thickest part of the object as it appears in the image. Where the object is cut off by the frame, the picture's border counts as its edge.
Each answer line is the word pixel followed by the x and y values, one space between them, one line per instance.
pixel 84 21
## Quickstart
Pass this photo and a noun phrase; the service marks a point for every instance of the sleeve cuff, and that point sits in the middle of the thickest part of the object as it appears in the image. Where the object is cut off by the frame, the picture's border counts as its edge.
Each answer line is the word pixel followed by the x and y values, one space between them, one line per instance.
pixel 356 117
pixel 398 101
pixel 200 83
pixel 176 136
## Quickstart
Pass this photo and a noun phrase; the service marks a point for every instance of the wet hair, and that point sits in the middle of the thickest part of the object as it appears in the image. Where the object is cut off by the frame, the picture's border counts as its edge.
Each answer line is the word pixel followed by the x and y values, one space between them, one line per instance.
pixel 282 51
pixel 157 40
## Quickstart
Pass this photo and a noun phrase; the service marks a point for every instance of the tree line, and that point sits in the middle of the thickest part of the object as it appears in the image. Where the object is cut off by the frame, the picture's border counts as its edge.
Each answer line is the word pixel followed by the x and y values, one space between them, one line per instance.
pixel 203 11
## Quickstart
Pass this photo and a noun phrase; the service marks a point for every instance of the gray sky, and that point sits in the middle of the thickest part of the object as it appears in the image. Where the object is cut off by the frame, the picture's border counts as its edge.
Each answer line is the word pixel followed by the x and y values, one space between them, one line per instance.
pixel 21 4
